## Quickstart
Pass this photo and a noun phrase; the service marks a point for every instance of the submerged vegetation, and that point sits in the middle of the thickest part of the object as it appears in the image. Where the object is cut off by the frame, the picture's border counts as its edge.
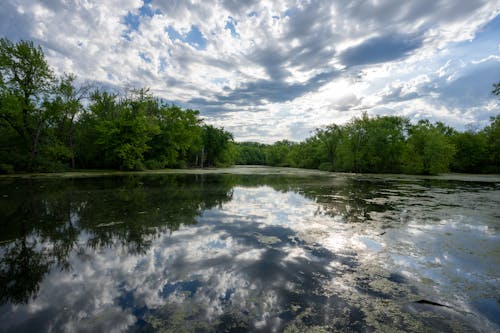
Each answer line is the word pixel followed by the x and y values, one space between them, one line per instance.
pixel 49 123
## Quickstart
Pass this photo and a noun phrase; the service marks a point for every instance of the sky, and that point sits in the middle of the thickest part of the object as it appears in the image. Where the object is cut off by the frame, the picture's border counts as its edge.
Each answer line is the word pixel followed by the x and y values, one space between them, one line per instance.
pixel 272 70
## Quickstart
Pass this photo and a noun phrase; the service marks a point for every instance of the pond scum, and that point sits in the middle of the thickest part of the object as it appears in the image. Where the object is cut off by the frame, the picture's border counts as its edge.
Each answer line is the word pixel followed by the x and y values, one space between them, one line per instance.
pixel 258 249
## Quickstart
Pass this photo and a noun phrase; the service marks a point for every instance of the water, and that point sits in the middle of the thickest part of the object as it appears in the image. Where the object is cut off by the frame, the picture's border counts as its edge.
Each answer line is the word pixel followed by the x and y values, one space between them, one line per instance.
pixel 268 251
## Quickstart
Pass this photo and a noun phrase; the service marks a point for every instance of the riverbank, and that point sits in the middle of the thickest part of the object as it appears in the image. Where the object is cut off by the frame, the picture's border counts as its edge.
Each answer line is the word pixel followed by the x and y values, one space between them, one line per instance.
pixel 254 170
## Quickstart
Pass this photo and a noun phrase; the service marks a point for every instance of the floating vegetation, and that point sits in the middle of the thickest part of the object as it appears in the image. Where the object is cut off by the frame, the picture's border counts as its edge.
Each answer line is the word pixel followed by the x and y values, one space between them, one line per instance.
pixel 249 253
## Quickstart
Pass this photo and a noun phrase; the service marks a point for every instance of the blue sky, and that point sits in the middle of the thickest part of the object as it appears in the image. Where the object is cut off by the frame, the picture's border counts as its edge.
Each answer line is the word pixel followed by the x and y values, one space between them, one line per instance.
pixel 270 70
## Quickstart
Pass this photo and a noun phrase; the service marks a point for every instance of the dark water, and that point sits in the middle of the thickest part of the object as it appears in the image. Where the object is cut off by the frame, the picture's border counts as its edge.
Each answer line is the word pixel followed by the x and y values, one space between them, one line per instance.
pixel 238 253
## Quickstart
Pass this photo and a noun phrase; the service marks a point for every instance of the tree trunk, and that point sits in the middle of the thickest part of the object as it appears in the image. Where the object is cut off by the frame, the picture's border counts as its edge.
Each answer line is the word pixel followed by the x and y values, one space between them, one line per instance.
pixel 34 149
pixel 202 156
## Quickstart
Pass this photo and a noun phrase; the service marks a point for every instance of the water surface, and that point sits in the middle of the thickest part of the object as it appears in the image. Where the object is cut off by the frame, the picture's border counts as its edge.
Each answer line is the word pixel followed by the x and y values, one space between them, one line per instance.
pixel 250 250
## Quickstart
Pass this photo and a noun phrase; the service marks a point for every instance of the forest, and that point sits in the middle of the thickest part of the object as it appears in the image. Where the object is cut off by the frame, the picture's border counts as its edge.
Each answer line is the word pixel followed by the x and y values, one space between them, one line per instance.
pixel 48 123
pixel 385 144
pixel 51 123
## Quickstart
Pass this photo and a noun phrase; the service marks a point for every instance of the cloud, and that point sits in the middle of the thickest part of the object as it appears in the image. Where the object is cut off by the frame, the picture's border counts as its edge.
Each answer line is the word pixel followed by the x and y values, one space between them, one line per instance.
pixel 275 90
pixel 225 56
pixel 380 49
pixel 470 84
pixel 457 87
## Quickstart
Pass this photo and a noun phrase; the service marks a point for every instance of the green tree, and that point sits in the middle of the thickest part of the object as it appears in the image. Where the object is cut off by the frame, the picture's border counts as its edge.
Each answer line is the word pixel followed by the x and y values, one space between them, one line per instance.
pixel 492 133
pixel 65 107
pixel 428 150
pixel 305 154
pixel 125 138
pixel 250 153
pixel 329 138
pixel 385 142
pixel 370 144
pixel 350 153
pixel 25 84
pixel 278 153
pixel 116 132
pixel 179 136
pixel 217 148
pixel 496 89
pixel 471 151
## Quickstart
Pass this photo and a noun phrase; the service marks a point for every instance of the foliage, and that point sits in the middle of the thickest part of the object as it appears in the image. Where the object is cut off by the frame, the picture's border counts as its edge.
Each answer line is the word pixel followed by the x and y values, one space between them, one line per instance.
pixel 250 153
pixel 278 153
pixel 428 150
pixel 496 89
pixel 26 82
pixel 50 123
pixel 46 125
pixel 384 144
pixel 492 133
pixel 217 149
pixel 471 151
pixel 371 144
pixel 178 137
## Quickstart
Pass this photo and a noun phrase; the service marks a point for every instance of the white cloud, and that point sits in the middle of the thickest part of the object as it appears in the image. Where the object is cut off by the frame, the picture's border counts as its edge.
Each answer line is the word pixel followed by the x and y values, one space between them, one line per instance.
pixel 298 64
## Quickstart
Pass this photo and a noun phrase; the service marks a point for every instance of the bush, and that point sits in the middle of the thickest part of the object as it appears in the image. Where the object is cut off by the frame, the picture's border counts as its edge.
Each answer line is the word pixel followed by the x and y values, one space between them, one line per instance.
pixel 154 165
pixel 326 166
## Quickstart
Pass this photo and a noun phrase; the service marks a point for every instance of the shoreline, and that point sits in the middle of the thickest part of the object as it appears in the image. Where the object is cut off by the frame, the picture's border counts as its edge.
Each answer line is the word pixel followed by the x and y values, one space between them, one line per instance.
pixel 252 170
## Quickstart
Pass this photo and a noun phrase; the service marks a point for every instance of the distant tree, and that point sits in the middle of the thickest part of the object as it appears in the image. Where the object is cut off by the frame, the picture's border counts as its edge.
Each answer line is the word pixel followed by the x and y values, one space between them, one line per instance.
pixel 371 144
pixel 305 154
pixel 427 150
pixel 250 153
pixel 492 132
pixel 278 153
pixel 384 144
pixel 471 151
pixel 330 138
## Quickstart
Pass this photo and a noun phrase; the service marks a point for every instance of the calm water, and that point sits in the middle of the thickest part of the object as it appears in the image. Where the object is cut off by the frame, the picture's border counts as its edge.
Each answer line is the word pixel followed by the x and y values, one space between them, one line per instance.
pixel 262 252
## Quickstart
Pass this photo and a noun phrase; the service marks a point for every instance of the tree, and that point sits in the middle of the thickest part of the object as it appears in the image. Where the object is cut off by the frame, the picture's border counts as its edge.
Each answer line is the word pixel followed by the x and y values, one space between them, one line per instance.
pixel 278 153
pixel 330 139
pixel 251 153
pixel 471 151
pixel 351 153
pixel 217 149
pixel 428 150
pixel 492 132
pixel 305 154
pixel 25 84
pixel 179 136
pixel 496 88
pixel 123 131
pixel 65 108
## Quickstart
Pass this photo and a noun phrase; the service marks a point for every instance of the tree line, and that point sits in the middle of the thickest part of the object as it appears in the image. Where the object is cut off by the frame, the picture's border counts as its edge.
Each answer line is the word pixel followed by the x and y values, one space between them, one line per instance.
pixel 385 144
pixel 49 123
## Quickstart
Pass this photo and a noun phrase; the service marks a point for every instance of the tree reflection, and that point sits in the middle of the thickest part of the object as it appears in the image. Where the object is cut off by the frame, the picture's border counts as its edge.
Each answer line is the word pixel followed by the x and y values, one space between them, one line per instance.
pixel 43 221
pixel 348 197
pixel 22 268
pixel 270 259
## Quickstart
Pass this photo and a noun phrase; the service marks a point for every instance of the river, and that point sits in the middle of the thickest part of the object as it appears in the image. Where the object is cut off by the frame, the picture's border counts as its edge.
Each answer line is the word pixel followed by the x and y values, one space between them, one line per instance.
pixel 249 249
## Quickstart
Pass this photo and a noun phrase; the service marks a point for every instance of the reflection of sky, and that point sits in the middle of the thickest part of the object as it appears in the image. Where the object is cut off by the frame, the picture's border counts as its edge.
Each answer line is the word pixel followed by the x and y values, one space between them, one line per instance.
pixel 254 252
pixel 452 254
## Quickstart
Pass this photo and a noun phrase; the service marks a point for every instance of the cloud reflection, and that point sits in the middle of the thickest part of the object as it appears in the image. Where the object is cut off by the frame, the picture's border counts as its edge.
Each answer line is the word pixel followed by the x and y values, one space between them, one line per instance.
pixel 276 253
